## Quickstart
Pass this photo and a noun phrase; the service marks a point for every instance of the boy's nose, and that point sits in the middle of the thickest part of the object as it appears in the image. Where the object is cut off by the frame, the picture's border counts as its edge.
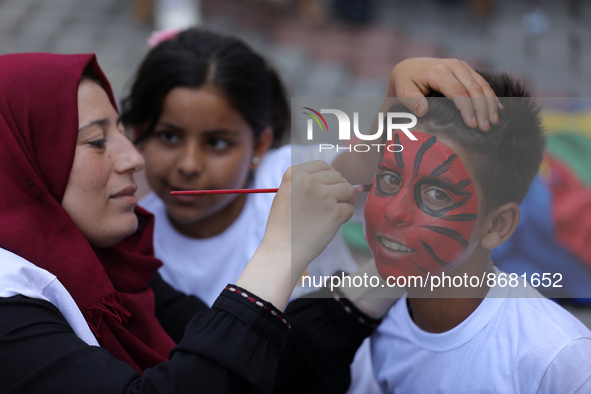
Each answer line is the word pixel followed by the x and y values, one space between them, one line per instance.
pixel 400 211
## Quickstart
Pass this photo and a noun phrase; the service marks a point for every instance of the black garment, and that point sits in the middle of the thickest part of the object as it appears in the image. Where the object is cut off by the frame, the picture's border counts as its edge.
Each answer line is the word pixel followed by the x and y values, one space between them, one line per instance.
pixel 231 348
pixel 320 347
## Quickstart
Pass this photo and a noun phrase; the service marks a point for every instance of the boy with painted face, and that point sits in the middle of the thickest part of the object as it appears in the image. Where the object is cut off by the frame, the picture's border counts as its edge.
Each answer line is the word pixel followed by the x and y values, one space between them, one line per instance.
pixel 437 207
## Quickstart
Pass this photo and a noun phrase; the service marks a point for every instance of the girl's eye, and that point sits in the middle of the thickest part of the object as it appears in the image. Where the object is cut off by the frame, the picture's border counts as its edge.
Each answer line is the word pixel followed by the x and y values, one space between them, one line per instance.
pixel 437 198
pixel 389 182
pixel 98 144
pixel 218 143
pixel 167 137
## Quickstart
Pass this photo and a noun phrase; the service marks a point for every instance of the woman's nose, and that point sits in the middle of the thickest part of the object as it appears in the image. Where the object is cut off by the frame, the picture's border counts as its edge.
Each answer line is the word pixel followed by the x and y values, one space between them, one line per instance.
pixel 131 159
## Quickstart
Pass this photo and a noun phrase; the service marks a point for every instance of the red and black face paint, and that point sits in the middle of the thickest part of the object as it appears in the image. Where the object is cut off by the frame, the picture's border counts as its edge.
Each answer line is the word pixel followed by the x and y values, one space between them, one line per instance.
pixel 421 209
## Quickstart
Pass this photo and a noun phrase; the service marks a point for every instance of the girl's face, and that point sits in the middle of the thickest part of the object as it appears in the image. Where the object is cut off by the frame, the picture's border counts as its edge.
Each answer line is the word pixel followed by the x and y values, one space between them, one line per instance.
pixel 100 194
pixel 200 142
pixel 421 210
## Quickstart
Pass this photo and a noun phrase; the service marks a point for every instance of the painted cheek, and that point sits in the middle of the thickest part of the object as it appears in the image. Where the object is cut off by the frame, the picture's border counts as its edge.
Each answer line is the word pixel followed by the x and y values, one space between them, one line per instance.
pixel 391 218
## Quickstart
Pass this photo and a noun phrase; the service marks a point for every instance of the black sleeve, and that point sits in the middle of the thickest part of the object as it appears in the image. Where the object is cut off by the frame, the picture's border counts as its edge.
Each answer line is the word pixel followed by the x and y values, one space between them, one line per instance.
pixel 321 345
pixel 174 309
pixel 231 348
pixel 326 332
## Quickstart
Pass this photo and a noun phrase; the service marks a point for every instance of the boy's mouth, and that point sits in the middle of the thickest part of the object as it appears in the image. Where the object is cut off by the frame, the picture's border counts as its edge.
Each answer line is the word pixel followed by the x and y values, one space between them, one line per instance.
pixel 394 245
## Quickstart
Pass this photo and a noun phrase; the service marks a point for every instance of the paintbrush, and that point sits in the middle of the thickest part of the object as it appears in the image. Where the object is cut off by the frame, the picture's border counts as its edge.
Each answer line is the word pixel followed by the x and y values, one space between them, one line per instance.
pixel 357 188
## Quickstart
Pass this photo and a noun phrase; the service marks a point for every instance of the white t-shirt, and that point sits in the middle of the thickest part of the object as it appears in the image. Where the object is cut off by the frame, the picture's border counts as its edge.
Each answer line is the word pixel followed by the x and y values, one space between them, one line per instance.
pixel 514 342
pixel 203 267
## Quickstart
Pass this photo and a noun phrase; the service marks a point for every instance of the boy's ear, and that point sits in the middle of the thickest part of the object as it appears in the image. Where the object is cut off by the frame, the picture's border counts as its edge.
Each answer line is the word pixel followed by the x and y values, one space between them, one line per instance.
pixel 261 146
pixel 500 225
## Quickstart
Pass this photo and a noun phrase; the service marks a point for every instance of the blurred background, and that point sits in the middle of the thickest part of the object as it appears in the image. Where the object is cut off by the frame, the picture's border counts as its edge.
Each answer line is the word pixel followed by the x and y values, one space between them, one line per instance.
pixel 328 48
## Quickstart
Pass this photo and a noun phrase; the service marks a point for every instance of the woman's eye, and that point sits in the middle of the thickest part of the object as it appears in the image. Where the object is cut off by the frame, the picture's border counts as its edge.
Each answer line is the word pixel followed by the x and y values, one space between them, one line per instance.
pixel 218 143
pixel 389 183
pixel 167 137
pixel 98 144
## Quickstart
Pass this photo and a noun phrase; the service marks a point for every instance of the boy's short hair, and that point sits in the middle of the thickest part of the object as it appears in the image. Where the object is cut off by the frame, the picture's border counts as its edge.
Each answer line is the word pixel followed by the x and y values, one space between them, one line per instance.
pixel 505 159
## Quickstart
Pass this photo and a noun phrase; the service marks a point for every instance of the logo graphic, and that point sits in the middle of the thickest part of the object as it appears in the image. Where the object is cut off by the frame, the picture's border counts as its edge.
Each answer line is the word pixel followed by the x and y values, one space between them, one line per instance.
pixel 345 124
pixel 316 119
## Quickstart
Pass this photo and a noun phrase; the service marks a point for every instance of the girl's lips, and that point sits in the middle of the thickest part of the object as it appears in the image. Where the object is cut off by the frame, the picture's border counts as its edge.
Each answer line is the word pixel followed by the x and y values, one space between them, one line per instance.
pixel 186 198
pixel 183 198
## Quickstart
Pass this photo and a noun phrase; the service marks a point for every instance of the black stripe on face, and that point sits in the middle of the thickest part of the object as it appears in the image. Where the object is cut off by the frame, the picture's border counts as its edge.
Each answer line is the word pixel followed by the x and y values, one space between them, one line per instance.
pixel 448 232
pixel 397 154
pixel 419 157
pixel 432 253
pixel 424 271
pixel 443 185
pixel 442 168
pixel 461 217
pixel 462 184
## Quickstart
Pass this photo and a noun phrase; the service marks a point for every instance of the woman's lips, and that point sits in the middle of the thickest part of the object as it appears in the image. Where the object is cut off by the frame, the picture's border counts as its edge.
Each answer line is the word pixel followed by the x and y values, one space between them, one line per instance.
pixel 126 195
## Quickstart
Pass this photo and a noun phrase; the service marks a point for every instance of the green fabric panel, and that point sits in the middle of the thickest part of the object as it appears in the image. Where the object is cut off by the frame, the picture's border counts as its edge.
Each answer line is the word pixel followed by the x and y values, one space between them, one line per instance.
pixel 353 235
pixel 575 151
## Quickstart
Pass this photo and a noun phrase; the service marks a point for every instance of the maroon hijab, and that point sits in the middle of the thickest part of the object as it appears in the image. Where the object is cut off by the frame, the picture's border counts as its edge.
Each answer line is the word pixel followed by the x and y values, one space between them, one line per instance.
pixel 38 134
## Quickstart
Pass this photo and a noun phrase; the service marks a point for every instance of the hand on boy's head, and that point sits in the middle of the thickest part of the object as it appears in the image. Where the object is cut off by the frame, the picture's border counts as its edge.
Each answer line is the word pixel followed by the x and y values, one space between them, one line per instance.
pixel 312 203
pixel 414 78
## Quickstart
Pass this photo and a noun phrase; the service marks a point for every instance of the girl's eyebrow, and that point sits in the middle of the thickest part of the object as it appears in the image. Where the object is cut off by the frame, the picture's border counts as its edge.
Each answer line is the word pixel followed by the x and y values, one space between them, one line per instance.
pixel 169 125
pixel 221 131
pixel 98 122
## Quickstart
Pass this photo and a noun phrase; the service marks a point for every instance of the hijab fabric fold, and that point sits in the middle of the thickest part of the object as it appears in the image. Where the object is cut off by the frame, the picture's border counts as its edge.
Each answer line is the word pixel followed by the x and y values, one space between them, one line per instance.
pixel 38 134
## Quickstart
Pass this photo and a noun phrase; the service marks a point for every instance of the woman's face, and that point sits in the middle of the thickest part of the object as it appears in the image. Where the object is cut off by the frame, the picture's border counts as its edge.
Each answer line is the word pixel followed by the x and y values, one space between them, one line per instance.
pixel 421 210
pixel 100 194
pixel 200 142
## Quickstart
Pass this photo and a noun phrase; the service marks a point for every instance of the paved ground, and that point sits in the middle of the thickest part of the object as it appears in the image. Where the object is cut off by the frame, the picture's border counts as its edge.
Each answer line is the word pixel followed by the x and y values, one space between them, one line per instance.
pixel 333 59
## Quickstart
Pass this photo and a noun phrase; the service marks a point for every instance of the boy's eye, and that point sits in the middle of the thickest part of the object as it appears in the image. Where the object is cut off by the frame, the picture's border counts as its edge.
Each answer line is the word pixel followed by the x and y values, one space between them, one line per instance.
pixel 436 198
pixel 98 144
pixel 389 182
pixel 218 143
pixel 167 137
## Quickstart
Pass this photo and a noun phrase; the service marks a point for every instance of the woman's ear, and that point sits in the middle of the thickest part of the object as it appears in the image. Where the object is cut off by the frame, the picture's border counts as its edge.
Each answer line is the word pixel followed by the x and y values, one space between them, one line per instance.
pixel 261 146
pixel 500 225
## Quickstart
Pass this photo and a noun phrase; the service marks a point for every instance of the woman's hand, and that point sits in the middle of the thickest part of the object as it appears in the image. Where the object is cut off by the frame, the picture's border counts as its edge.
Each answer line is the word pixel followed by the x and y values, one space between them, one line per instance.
pixel 320 200
pixel 413 78
pixel 312 203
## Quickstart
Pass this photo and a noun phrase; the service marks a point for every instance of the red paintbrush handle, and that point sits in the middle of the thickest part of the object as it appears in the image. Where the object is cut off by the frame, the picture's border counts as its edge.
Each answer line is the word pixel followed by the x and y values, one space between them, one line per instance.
pixel 225 191
pixel 358 188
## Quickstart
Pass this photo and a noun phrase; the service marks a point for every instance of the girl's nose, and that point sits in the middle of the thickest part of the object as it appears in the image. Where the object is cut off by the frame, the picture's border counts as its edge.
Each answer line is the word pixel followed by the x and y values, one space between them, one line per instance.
pixel 190 162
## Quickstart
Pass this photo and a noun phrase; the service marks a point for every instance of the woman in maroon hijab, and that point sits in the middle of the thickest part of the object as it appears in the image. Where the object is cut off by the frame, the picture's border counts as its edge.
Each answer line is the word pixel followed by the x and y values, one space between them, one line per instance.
pixel 78 313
